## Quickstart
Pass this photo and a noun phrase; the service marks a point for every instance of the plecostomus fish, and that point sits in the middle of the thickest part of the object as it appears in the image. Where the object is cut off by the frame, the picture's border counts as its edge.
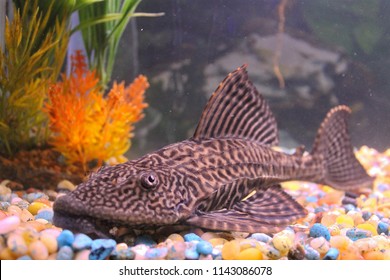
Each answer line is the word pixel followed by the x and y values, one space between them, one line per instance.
pixel 202 181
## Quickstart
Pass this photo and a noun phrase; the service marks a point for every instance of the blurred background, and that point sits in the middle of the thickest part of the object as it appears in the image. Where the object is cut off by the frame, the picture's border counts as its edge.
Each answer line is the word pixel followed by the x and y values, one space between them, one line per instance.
pixel 304 56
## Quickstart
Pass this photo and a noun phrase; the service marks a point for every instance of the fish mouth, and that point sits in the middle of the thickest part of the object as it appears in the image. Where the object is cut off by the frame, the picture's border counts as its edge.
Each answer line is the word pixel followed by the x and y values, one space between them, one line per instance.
pixel 96 228
pixel 67 216
pixel 83 224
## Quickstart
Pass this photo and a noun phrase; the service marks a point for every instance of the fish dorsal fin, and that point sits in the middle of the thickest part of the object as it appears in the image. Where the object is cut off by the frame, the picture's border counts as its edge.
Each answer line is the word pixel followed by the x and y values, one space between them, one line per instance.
pixel 236 109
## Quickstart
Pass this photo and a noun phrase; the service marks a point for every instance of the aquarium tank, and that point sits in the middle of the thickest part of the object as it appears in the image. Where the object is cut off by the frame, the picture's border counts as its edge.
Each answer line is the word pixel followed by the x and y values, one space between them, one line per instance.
pixel 214 130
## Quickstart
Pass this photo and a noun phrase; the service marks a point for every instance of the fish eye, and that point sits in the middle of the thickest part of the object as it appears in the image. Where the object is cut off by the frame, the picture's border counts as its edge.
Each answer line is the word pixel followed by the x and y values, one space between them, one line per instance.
pixel 148 180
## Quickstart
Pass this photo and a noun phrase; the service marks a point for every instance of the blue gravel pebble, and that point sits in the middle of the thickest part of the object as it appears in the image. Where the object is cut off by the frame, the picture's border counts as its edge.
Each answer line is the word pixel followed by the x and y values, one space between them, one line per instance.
pixel 65 238
pixel 379 215
pixel 349 207
pixel 81 241
pixel 311 254
pixel 273 253
pixel 22 204
pixel 318 230
pixel 216 254
pixel 101 248
pixel 192 237
pixel 125 254
pixel 383 228
pixel 191 254
pixel 24 258
pixel 262 237
pixel 355 234
pixel 145 240
pixel 46 215
pixel 332 254
pixel 204 247
pixel 311 199
pixel 156 253
pixel 4 205
pixel 65 253
pixel 290 229
pixel 5 197
pixel 319 209
pixel 366 215
pixel 31 197
pixel 383 187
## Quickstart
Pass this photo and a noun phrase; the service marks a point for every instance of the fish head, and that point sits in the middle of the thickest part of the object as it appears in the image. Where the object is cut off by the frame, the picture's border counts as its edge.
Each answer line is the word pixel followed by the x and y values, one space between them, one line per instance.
pixel 127 194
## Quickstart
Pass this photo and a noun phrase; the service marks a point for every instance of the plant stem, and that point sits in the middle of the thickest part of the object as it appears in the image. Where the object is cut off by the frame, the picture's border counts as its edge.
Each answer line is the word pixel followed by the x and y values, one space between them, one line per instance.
pixel 2 23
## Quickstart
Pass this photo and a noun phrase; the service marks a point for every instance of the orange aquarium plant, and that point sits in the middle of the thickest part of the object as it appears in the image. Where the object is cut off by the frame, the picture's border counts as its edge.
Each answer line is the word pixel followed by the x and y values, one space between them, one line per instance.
pixel 85 125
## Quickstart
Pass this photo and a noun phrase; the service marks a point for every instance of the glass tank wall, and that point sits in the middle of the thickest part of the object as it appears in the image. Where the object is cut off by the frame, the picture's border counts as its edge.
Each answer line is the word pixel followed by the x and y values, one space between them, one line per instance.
pixel 304 56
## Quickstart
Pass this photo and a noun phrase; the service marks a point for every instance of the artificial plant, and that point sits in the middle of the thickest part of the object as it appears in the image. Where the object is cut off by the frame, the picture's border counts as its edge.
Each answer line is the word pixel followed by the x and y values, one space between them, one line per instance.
pixel 87 126
pixel 30 61
pixel 102 40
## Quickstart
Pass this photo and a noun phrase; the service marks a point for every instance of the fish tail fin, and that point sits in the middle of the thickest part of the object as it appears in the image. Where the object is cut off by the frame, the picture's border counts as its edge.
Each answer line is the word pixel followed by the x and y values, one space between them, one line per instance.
pixel 332 144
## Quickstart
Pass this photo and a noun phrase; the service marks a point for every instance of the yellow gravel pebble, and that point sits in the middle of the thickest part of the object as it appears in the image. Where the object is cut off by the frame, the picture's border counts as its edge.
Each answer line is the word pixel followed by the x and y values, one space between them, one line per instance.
pixel 38 250
pixel 50 242
pixel 217 241
pixel 231 250
pixel 176 237
pixel 283 242
pixel 345 221
pixel 36 206
pixel 250 254
pixel 368 227
pixel 340 242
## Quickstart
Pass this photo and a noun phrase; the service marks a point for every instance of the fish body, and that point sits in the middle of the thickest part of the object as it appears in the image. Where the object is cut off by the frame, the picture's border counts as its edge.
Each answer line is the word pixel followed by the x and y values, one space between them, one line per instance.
pixel 202 181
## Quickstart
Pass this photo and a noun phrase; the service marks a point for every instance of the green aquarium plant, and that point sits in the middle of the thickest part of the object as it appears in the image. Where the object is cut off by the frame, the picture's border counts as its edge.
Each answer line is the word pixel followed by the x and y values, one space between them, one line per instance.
pixel 2 23
pixel 102 25
pixel 31 60
pixel 33 49
pixel 62 11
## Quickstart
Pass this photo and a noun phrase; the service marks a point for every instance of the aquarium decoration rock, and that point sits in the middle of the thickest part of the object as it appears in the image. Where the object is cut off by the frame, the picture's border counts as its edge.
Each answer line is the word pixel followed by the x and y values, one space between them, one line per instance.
pixel 299 61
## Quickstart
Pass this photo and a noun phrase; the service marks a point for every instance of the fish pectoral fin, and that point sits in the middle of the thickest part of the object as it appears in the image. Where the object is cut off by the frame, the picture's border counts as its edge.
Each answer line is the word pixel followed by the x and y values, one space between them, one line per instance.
pixel 272 202
pixel 266 211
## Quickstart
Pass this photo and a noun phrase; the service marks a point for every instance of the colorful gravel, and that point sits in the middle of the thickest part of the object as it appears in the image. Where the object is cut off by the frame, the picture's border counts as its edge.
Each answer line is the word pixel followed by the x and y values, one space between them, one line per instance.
pixel 332 230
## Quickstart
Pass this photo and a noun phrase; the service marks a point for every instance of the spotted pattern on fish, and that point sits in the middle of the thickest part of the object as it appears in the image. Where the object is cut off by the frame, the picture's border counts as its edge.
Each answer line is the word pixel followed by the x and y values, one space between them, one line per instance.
pixel 202 181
